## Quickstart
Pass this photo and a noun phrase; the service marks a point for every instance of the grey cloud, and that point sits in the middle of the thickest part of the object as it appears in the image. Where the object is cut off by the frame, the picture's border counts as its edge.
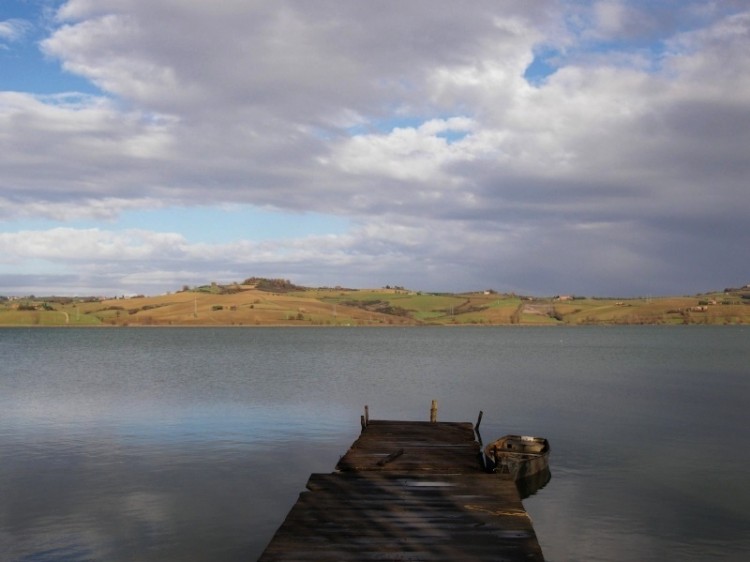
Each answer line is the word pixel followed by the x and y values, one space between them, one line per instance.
pixel 302 60
pixel 605 176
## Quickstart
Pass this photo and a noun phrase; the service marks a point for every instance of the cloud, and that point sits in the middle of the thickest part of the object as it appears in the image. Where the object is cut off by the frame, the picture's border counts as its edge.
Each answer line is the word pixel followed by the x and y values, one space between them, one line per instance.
pixel 414 121
pixel 408 153
pixel 12 30
pixel 306 61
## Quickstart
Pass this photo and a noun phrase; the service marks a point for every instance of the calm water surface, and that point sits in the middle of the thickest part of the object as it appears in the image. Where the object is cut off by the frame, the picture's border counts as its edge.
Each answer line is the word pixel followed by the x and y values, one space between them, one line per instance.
pixel 192 444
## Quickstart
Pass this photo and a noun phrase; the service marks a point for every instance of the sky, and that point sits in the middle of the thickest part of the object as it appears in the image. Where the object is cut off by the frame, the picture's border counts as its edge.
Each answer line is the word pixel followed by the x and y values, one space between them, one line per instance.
pixel 596 148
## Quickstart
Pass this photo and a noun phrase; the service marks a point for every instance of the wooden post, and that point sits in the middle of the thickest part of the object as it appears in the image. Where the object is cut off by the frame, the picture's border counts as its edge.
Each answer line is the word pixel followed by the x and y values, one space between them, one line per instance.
pixel 433 411
pixel 479 438
pixel 362 422
pixel 367 414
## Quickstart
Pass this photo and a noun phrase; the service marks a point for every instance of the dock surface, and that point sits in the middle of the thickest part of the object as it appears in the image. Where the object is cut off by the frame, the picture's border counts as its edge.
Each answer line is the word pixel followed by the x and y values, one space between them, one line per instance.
pixel 408 491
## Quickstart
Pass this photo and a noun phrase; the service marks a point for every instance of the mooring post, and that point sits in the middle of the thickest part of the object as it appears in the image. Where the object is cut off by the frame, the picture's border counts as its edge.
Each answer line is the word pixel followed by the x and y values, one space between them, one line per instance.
pixel 482 460
pixel 365 418
pixel 433 411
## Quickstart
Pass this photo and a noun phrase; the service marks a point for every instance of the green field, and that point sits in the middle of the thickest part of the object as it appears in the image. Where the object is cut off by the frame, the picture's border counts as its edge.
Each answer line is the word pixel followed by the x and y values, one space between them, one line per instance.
pixel 276 304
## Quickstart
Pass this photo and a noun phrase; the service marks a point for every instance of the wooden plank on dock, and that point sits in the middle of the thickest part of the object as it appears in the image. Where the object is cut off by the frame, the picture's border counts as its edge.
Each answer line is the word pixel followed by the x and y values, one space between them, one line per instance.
pixel 388 516
pixel 445 447
pixel 431 502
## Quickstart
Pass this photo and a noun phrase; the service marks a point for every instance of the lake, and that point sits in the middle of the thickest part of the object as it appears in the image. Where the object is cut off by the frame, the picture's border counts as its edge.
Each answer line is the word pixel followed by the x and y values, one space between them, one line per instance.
pixel 169 444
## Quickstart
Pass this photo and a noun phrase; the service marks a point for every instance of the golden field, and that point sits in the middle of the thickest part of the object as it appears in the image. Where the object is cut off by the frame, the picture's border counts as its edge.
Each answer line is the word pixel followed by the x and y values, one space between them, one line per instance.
pixel 279 303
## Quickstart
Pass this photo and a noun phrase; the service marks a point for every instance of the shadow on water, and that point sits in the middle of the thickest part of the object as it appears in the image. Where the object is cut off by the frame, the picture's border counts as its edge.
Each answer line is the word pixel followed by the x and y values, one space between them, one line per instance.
pixel 529 486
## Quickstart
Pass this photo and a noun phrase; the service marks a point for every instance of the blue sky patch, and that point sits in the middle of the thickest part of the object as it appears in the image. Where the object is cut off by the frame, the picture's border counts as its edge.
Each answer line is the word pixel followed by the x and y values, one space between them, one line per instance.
pixel 211 225
pixel 452 135
pixel 542 66
pixel 23 65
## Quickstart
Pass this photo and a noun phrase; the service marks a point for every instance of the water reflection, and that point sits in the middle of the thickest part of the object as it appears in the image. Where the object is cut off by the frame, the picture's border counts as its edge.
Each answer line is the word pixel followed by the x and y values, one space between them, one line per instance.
pixel 529 486
pixel 174 494
pixel 85 478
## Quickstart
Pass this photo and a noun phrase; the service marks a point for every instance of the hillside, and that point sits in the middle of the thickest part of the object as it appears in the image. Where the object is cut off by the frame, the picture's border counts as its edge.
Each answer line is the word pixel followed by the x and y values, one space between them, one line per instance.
pixel 268 302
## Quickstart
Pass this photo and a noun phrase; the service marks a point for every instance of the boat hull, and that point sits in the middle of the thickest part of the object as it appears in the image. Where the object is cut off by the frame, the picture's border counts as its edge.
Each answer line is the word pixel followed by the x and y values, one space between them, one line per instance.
pixel 517 456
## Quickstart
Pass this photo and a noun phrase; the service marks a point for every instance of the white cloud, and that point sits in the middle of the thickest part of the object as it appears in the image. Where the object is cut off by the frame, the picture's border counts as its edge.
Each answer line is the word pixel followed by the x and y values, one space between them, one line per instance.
pixel 407 153
pixel 89 245
pixel 13 29
pixel 100 50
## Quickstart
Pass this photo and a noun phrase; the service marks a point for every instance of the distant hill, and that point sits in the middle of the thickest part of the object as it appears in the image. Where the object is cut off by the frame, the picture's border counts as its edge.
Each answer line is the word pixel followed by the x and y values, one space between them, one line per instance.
pixel 278 302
